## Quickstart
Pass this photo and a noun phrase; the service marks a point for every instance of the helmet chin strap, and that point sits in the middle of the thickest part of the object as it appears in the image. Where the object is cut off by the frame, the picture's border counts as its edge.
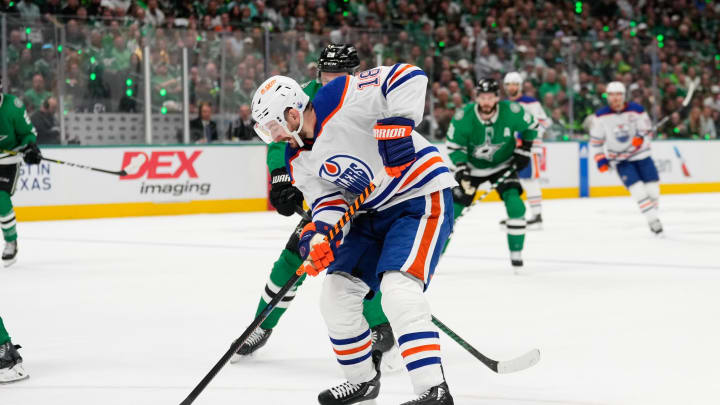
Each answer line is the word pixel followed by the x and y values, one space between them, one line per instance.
pixel 296 133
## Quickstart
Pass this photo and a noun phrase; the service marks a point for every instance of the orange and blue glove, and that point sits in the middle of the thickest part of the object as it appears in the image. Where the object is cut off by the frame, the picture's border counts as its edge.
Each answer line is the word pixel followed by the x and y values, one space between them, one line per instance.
pixel 602 163
pixel 394 136
pixel 316 252
pixel 637 141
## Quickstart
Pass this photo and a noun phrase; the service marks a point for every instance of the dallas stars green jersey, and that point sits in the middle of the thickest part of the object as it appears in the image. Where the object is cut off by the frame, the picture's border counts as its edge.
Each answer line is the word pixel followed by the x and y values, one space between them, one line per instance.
pixel 276 150
pixel 488 147
pixel 16 130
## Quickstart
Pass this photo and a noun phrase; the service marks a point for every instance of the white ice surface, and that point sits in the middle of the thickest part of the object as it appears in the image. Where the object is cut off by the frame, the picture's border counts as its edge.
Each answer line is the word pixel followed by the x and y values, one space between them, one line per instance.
pixel 136 311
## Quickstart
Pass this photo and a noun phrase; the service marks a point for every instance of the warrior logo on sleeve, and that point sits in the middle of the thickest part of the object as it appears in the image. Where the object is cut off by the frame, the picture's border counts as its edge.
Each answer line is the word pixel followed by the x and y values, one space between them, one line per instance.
pixel 347 172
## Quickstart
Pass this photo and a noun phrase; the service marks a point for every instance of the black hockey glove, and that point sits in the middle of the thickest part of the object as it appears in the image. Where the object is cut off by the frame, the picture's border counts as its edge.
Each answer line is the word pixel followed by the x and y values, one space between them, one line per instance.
pixel 521 156
pixel 31 154
pixel 462 172
pixel 285 197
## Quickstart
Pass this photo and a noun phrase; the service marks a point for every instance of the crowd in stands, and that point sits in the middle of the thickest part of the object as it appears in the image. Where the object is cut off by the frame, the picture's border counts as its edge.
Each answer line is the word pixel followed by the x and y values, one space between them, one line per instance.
pixel 566 51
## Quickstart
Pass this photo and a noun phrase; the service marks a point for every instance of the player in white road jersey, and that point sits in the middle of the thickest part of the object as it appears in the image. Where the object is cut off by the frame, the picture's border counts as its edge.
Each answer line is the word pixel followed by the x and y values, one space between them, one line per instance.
pixel 620 134
pixel 357 129
pixel 530 175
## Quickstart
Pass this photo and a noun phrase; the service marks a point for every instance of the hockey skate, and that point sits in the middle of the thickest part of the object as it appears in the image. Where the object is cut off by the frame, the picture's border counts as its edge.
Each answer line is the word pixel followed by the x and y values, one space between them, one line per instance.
pixel 388 355
pixel 382 337
pixel 349 393
pixel 9 255
pixel 437 395
pixel 656 227
pixel 256 340
pixel 11 368
pixel 536 222
pixel 516 258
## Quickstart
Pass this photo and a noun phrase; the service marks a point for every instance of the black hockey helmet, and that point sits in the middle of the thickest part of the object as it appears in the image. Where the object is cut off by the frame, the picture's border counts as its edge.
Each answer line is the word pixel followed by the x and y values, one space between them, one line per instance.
pixel 488 85
pixel 337 58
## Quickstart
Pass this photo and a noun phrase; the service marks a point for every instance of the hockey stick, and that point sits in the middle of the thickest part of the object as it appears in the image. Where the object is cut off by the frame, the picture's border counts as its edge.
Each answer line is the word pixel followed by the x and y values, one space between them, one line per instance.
pixel 79 166
pixel 300 211
pixel 685 103
pixel 487 192
pixel 659 124
pixel 495 185
pixel 349 213
pixel 520 363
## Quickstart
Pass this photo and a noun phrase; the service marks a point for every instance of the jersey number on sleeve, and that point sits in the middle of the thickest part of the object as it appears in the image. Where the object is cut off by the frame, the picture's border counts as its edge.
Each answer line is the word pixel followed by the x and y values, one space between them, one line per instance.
pixel 368 78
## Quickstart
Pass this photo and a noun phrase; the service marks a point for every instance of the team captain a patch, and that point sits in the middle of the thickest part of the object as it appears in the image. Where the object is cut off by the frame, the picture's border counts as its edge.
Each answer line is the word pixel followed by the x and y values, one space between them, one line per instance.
pixel 348 172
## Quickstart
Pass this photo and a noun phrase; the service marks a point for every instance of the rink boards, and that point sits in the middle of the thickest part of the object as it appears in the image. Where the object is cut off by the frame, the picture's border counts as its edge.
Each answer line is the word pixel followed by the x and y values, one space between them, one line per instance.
pixel 170 180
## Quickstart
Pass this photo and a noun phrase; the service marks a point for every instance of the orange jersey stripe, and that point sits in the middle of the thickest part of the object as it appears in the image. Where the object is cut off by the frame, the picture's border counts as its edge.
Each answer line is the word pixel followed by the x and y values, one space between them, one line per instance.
pixel 355 350
pixel 419 170
pixel 332 202
pixel 392 79
pixel 419 349
pixel 417 268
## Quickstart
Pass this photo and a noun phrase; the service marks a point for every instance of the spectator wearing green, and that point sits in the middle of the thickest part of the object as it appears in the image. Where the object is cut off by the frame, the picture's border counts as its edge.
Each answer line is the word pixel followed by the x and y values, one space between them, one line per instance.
pixel 35 96
pixel 118 58
pixel 550 84
pixel 46 65
pixel 165 86
pixel 15 47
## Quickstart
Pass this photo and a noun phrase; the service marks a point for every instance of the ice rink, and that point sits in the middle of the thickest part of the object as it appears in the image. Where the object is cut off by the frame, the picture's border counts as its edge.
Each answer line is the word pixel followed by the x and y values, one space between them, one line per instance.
pixel 137 310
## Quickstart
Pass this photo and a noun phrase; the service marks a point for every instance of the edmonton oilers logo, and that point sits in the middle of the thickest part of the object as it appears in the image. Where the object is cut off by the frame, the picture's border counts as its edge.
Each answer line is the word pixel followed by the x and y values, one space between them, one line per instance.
pixel 347 172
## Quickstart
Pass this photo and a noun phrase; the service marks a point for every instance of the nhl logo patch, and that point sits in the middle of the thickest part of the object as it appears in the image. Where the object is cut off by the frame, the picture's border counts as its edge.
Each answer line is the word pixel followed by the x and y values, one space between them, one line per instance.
pixel 515 107
pixel 18 103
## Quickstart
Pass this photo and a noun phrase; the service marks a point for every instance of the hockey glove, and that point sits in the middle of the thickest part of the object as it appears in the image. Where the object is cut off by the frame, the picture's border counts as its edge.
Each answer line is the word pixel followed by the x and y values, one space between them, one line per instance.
pixel 521 156
pixel 602 163
pixel 31 154
pixel 314 249
pixel 394 136
pixel 462 172
pixel 637 141
pixel 465 192
pixel 285 197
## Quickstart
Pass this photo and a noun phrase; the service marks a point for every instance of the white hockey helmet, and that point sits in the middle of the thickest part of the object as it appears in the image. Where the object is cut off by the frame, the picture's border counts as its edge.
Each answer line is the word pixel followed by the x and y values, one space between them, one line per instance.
pixel 269 103
pixel 615 87
pixel 513 77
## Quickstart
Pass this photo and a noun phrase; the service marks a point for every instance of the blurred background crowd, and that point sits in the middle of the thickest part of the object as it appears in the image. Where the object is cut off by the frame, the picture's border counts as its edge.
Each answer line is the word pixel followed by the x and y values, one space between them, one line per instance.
pixel 88 54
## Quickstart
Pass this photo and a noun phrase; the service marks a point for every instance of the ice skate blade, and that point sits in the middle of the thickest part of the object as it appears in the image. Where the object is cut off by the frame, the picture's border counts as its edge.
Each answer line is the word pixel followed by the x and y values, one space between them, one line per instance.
pixel 9 262
pixel 14 374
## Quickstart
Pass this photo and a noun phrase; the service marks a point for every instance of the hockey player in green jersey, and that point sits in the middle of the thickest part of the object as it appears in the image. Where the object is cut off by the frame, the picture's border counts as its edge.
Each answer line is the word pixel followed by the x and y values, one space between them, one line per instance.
pixel 17 134
pixel 482 145
pixel 335 60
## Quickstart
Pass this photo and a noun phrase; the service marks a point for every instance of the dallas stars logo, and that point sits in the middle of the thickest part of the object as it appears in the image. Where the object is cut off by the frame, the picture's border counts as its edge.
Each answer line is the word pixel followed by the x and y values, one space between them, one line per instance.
pixel 487 149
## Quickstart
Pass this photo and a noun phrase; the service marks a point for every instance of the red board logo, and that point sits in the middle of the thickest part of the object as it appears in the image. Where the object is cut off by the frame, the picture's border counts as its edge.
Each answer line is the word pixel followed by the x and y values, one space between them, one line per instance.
pixel 159 164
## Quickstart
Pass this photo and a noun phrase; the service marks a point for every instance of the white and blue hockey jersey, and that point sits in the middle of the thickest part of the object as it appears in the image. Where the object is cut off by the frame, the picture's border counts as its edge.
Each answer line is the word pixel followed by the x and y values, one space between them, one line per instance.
pixel 344 157
pixel 532 105
pixel 611 133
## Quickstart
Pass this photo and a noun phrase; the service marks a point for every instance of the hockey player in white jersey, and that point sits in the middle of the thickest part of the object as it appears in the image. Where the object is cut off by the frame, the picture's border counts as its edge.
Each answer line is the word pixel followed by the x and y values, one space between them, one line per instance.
pixel 530 175
pixel 620 135
pixel 357 129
